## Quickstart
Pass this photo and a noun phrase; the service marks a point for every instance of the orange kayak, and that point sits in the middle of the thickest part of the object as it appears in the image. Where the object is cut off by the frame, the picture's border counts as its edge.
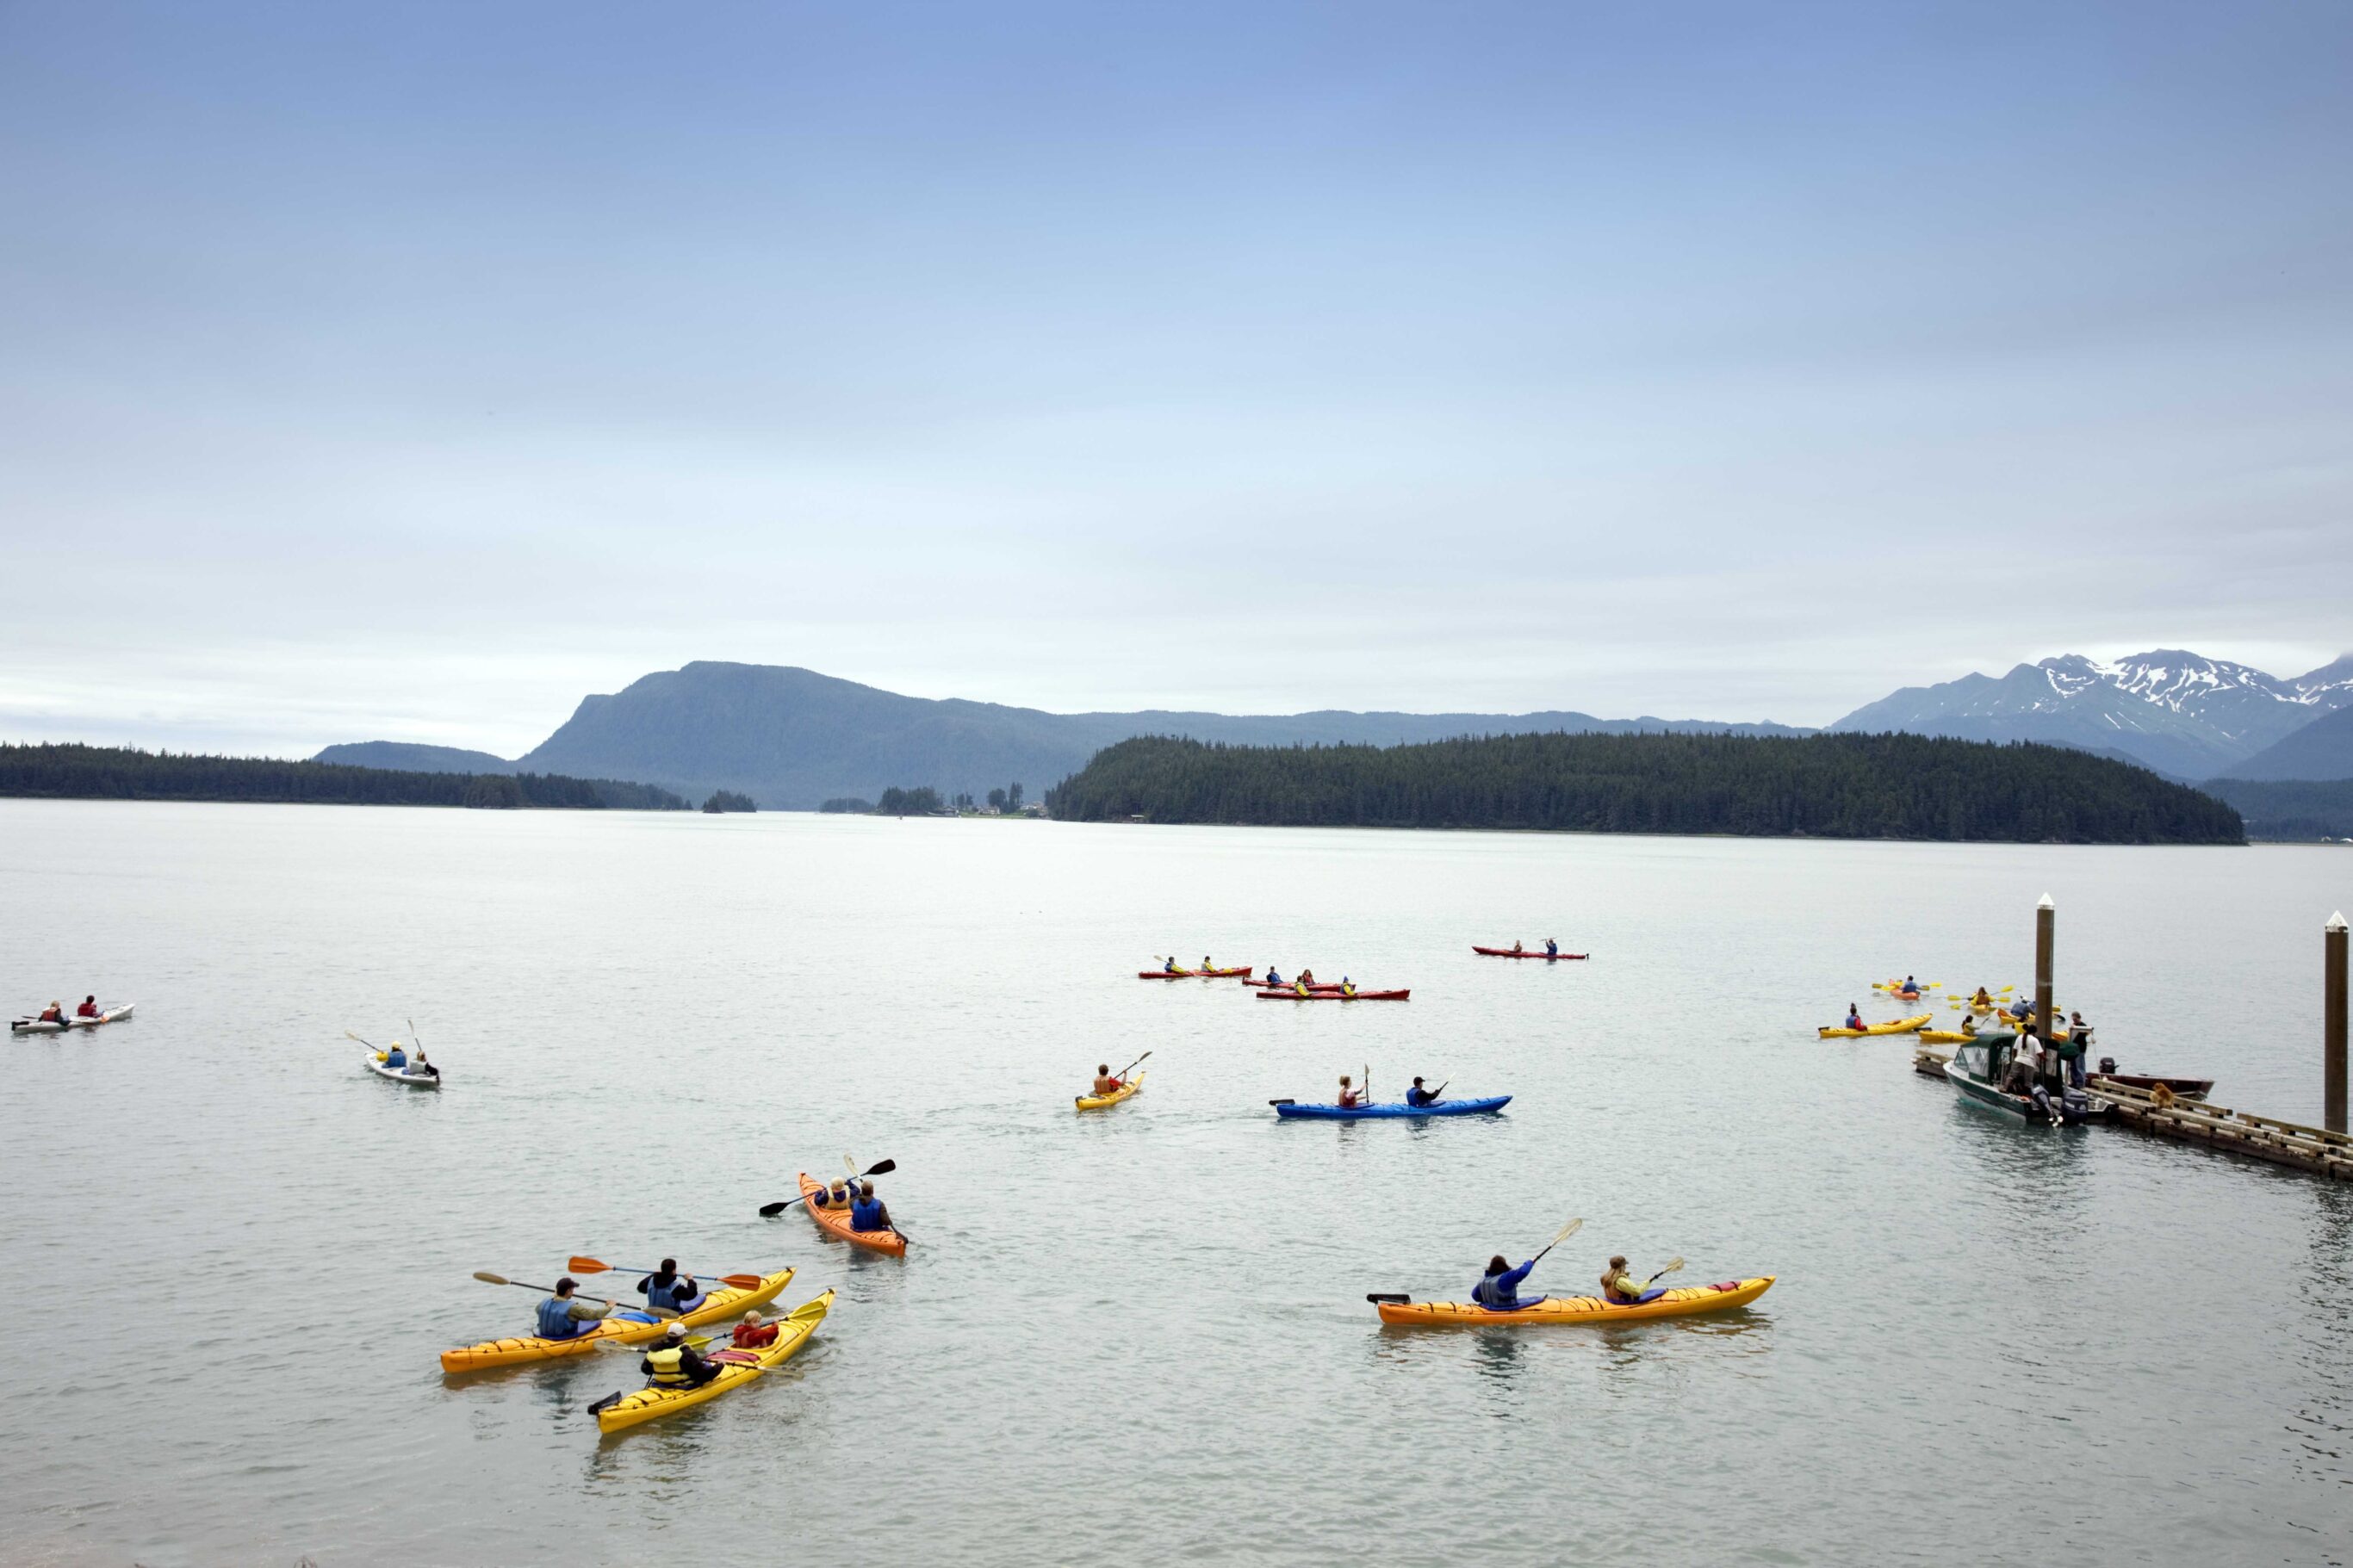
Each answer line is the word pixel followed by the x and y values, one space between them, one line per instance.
pixel 837 1222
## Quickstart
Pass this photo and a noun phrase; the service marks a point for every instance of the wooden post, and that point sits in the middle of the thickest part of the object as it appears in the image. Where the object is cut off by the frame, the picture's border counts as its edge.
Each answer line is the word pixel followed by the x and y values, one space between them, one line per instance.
pixel 2332 1023
pixel 2046 915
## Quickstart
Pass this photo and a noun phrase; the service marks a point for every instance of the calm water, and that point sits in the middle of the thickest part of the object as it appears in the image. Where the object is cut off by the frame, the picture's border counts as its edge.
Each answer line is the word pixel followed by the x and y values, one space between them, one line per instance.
pixel 1142 1336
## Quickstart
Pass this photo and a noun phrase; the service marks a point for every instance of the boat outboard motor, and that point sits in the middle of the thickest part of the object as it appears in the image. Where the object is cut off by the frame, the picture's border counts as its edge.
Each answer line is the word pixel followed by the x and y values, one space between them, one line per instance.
pixel 2107 1066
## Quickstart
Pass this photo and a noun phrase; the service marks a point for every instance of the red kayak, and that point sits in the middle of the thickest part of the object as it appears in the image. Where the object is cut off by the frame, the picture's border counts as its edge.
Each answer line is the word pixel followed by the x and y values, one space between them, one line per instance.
pixel 1285 986
pixel 1242 974
pixel 1511 953
pixel 1287 995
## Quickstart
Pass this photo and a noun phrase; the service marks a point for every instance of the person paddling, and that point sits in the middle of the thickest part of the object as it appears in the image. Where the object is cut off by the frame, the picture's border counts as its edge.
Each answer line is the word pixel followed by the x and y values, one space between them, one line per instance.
pixel 1552 947
pixel 395 1059
pixel 1853 1016
pixel 564 1317
pixel 868 1213
pixel 677 1364
pixel 1498 1291
pixel 1206 964
pixel 88 1008
pixel 1273 979
pixel 1515 945
pixel 752 1333
pixel 1169 965
pixel 1349 1098
pixel 1106 1081
pixel 1620 1289
pixel 55 1013
pixel 1299 987
pixel 1347 986
pixel 1418 1095
pixel 666 1286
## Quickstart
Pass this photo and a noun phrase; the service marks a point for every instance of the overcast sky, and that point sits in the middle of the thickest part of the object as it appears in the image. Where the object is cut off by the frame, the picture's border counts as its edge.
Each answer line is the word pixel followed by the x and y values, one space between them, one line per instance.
pixel 408 371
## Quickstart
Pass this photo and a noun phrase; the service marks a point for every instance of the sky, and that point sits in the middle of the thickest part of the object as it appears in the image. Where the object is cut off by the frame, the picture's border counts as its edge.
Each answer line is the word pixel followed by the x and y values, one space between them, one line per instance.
pixel 410 372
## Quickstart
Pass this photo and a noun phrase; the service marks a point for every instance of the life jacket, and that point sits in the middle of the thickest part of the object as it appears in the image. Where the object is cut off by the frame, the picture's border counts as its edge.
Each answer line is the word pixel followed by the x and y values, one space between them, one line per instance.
pixel 1488 1295
pixel 1417 1097
pixel 669 1368
pixel 556 1321
pixel 1273 978
pixel 87 1010
pixel 866 1214
pixel 661 1293
pixel 1551 948
pixel 396 1060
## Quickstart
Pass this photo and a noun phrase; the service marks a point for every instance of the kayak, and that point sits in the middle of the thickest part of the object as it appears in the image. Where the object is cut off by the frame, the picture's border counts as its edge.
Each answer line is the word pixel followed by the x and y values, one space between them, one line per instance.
pixel 736 1369
pixel 1287 985
pixel 33 1025
pixel 625 1327
pixel 1522 953
pixel 1896 1027
pixel 1292 1110
pixel 399 1075
pixel 1680 1303
pixel 1242 972
pixel 836 1221
pixel 1946 1037
pixel 1104 1101
pixel 1288 995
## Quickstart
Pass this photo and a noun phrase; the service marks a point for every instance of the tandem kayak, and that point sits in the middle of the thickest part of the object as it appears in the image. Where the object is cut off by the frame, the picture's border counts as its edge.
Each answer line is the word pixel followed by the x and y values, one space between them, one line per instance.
pixel 625 1327
pixel 623 1411
pixel 33 1025
pixel 1288 995
pixel 1580 1308
pixel 375 1064
pixel 1240 973
pixel 1287 985
pixel 1898 1026
pixel 1104 1101
pixel 836 1222
pixel 1523 953
pixel 1293 1110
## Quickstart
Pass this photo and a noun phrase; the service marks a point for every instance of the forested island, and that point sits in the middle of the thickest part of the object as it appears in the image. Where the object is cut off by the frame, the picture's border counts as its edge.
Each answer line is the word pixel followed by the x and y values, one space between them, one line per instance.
pixel 1826 786
pixel 729 800
pixel 2289 809
pixel 111 772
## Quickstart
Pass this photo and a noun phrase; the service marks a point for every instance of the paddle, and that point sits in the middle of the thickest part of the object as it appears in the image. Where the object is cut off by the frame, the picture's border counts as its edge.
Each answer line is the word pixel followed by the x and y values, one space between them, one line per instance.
pixel 487 1278
pixel 799 1314
pixel 1571 1228
pixel 880 1168
pixel 369 1044
pixel 592 1266
pixel 1131 1066
pixel 1675 1266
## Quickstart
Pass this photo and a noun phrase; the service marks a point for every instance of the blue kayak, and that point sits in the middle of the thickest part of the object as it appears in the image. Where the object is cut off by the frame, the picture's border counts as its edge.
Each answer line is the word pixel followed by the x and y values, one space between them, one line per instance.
pixel 1369 1112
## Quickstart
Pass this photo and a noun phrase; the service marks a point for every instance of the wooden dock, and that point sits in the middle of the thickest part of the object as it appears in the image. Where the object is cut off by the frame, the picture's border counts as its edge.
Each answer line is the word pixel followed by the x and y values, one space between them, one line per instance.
pixel 2313 1149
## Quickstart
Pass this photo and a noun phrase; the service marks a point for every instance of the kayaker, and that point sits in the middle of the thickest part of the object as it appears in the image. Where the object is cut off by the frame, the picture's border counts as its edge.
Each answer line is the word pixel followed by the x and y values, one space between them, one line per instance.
pixel 868 1211
pixel 837 1198
pixel 1515 944
pixel 561 1317
pixel 1169 966
pixel 1552 947
pixel 417 1063
pixel 1911 986
pixel 1969 1025
pixel 1853 1016
pixel 1206 964
pixel 1347 986
pixel 1620 1289
pixel 1307 977
pixel 677 1364
pixel 396 1058
pixel 752 1333
pixel 1273 979
pixel 1499 1291
pixel 88 1008
pixel 1105 1082
pixel 1418 1095
pixel 1299 987
pixel 1349 1098
pixel 55 1013
pixel 1982 1001
pixel 666 1286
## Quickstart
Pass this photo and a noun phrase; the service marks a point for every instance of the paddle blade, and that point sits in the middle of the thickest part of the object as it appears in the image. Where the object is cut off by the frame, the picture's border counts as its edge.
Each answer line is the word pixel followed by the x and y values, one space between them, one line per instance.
pixel 882 1167
pixel 1282 1102
pixel 587 1266
pixel 770 1211
pixel 603 1405
pixel 807 1309
pixel 742 1281
pixel 487 1278
pixel 1571 1228
pixel 1377 1295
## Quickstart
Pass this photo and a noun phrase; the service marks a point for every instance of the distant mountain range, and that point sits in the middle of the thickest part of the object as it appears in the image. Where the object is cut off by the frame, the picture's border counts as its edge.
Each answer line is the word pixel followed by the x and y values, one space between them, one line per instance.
pixel 792 738
pixel 2177 713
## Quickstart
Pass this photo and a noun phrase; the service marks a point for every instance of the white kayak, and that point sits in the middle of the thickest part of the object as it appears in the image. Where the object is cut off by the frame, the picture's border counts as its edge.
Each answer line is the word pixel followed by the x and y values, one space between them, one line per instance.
pixel 34 1026
pixel 375 1064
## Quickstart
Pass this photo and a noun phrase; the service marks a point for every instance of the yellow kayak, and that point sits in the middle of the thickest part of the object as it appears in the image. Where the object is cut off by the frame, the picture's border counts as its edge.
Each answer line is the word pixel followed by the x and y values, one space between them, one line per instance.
pixel 1582 1309
pixel 1900 1026
pixel 1946 1037
pixel 1103 1101
pixel 725 1300
pixel 623 1411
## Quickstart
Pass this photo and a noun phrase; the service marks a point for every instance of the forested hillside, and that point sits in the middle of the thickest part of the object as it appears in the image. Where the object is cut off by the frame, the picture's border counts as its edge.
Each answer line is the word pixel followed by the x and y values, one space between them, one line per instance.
pixel 2298 809
pixel 1841 787
pixel 107 773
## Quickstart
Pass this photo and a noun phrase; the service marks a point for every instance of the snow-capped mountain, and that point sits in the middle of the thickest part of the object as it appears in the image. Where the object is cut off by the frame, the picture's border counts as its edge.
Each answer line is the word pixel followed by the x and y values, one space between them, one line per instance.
pixel 2178 712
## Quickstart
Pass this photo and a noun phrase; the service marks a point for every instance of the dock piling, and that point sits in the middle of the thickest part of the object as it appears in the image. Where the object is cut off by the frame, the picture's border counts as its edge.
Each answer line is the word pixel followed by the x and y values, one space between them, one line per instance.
pixel 2332 1023
pixel 2046 915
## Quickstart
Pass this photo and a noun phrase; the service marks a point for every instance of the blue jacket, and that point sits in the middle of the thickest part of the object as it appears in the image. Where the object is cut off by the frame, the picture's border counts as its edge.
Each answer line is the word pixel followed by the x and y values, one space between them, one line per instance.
pixel 1500 1292
pixel 395 1059
pixel 1420 1097
pixel 676 1295
pixel 556 1321
pixel 866 1214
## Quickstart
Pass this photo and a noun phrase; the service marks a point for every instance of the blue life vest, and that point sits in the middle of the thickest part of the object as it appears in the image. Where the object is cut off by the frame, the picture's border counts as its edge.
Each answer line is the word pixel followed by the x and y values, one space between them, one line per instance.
pixel 1500 1292
pixel 660 1295
pixel 866 1214
pixel 1417 1097
pixel 1551 949
pixel 1271 977
pixel 398 1059
pixel 556 1321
